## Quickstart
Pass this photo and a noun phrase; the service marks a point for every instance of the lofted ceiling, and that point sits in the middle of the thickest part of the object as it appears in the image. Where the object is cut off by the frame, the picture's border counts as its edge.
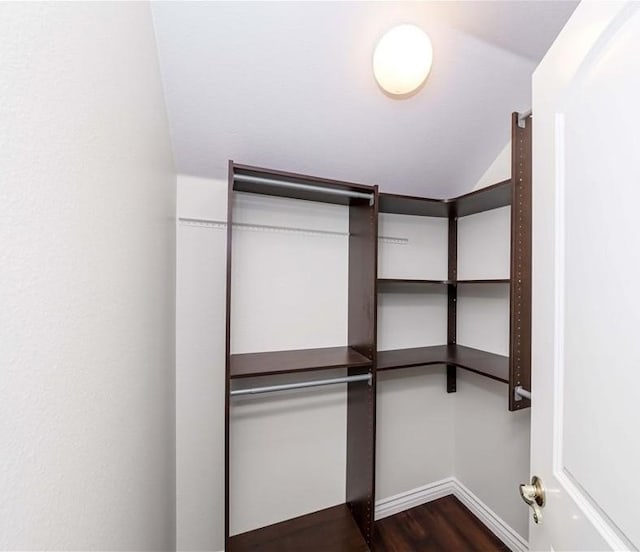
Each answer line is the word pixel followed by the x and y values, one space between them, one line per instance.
pixel 289 86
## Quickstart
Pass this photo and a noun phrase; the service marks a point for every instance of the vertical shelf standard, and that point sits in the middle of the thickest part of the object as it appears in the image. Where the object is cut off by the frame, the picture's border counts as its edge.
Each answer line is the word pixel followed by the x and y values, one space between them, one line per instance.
pixel 362 336
pixel 520 291
pixel 452 296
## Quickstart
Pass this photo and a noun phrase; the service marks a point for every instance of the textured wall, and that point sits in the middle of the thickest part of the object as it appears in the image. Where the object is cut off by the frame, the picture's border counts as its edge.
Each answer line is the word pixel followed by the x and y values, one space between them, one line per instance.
pixel 87 203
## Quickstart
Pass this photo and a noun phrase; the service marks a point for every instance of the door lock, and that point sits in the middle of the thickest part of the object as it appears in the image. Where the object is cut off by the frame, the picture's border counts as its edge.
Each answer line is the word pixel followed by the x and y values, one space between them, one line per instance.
pixel 533 495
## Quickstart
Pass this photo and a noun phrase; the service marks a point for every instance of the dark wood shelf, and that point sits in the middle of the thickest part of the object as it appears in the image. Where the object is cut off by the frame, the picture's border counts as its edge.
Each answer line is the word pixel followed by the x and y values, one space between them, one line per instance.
pixel 487 281
pixel 402 284
pixel 416 356
pixel 486 364
pixel 330 529
pixel 247 365
pixel 309 195
pixel 485 199
pixel 399 284
pixel 410 205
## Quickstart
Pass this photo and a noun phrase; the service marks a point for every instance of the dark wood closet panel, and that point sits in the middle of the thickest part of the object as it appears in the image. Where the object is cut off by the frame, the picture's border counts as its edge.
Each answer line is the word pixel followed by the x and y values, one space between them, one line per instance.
pixel 358 357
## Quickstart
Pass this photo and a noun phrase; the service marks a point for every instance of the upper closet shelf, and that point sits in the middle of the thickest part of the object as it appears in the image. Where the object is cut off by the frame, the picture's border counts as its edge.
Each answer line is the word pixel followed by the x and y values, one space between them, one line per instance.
pixel 247 365
pixel 485 281
pixel 256 180
pixel 402 285
pixel 486 364
pixel 409 205
pixel 485 199
pixel 399 284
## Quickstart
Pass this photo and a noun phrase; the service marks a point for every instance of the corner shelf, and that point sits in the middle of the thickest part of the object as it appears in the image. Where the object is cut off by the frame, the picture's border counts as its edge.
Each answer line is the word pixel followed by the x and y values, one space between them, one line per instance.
pixel 410 205
pixel 397 284
pixel 402 284
pixel 248 365
pixel 328 529
pixel 408 358
pixel 483 363
pixel 492 197
pixel 485 281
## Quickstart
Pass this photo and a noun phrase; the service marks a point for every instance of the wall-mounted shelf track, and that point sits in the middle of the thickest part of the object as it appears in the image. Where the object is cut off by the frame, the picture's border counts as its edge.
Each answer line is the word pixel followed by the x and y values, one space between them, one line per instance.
pixel 350 526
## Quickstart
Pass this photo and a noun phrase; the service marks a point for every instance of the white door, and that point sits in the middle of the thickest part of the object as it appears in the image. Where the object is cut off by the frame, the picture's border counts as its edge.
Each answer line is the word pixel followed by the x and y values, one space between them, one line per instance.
pixel 586 282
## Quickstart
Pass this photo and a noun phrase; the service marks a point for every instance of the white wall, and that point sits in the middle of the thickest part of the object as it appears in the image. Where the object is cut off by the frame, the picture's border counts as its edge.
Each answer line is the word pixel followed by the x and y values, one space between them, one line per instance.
pixel 491 443
pixel 499 170
pixel 200 341
pixel 87 207
pixel 414 440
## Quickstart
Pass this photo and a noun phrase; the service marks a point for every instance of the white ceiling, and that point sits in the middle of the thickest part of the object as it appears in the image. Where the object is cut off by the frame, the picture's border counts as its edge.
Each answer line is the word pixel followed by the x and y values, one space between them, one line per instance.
pixel 289 86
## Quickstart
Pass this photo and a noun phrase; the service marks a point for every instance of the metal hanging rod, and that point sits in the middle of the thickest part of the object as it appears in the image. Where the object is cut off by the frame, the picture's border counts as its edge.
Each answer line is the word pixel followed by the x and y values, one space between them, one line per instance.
pixel 522 116
pixel 301 385
pixel 221 224
pixel 301 186
pixel 521 393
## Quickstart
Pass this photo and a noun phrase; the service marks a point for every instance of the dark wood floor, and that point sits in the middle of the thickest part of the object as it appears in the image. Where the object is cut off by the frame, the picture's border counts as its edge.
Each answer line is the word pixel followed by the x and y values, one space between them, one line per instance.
pixel 329 530
pixel 444 525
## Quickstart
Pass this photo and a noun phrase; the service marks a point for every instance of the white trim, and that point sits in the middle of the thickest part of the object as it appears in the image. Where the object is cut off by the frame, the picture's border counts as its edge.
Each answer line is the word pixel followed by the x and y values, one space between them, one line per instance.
pixel 451 486
pixel 490 519
pixel 415 497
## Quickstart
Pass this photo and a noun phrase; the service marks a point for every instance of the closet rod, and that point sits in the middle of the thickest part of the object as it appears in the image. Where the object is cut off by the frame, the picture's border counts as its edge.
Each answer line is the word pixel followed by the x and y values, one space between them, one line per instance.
pixel 300 186
pixel 301 385
pixel 521 393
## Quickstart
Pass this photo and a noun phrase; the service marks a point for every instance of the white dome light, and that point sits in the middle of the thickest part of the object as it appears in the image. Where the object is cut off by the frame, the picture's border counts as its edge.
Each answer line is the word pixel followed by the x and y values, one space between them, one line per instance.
pixel 402 59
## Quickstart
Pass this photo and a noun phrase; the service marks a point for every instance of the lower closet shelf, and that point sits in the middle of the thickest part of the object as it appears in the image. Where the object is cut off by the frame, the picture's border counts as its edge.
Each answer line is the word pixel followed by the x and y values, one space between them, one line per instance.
pixel 332 529
pixel 246 365
pixel 486 364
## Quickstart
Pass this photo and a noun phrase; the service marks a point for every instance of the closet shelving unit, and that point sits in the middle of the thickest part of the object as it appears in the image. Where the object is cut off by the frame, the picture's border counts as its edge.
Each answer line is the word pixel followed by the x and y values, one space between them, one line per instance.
pixel 452 355
pixel 350 526
pixel 515 369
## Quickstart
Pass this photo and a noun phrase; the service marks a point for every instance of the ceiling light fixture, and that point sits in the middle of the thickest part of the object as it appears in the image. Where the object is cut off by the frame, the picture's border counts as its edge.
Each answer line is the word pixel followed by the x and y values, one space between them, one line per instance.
pixel 402 60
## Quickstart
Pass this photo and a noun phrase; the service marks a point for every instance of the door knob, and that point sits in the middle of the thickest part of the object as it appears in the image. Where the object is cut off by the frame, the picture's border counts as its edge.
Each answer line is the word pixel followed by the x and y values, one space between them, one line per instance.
pixel 533 495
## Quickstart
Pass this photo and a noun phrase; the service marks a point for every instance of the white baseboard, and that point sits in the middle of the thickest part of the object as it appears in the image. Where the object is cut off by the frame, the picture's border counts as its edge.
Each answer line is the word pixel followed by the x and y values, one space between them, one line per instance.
pixel 490 519
pixel 415 497
pixel 451 486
